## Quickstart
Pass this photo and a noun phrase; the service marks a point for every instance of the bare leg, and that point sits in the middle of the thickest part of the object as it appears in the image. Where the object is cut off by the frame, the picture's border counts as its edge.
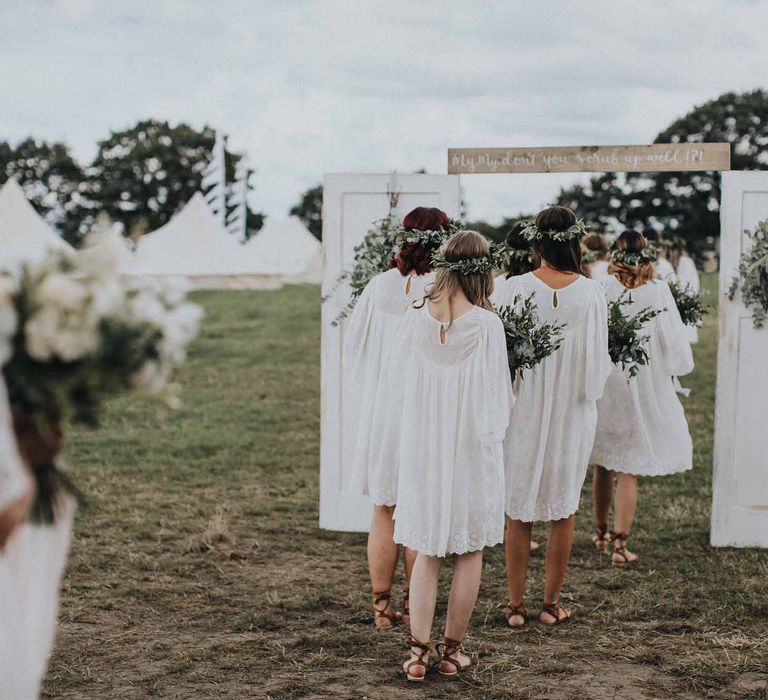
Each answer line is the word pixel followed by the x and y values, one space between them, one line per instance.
pixel 382 560
pixel 517 551
pixel 467 570
pixel 625 507
pixel 426 571
pixel 602 494
pixel 558 554
pixel 409 557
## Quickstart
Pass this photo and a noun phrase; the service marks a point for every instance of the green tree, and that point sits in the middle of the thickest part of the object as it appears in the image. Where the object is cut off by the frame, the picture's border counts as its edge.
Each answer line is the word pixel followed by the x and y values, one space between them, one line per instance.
pixel 52 180
pixel 686 203
pixel 310 210
pixel 145 174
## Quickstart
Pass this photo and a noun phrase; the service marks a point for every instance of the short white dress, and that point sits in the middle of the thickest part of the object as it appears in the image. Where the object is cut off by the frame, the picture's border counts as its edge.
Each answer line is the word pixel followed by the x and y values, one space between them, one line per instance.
pixel 665 271
pixel 452 421
pixel 552 426
pixel 369 339
pixel 688 277
pixel 641 426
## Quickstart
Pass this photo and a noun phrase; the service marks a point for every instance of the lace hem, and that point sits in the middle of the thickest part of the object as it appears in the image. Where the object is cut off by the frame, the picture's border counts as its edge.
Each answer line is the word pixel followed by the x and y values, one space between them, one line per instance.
pixel 459 543
pixel 647 464
pixel 533 512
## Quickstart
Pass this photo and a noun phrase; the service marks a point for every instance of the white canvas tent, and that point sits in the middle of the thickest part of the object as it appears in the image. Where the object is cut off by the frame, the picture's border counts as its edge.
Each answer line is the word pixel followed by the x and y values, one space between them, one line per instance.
pixel 286 248
pixel 195 245
pixel 108 244
pixel 24 235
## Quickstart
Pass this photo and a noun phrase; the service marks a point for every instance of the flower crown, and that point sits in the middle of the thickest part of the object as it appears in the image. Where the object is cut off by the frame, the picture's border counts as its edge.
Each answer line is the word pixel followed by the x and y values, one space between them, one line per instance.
pixel 426 239
pixel 509 254
pixel 470 265
pixel 637 258
pixel 533 233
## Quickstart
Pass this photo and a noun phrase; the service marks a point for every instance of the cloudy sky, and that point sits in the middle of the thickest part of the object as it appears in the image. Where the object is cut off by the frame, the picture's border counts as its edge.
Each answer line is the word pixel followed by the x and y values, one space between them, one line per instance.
pixel 314 86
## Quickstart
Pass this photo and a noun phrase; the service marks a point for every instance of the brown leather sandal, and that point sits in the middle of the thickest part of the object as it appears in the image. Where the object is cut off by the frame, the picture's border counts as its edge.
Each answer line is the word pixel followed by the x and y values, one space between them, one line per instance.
pixel 516 611
pixel 421 660
pixel 382 618
pixel 622 539
pixel 449 648
pixel 554 609
pixel 405 616
pixel 601 538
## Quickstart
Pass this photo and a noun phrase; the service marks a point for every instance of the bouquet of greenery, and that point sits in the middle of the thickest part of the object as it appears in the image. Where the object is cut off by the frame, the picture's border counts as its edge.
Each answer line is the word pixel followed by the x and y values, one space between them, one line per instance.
pixel 76 334
pixel 528 340
pixel 374 254
pixel 753 275
pixel 626 345
pixel 692 309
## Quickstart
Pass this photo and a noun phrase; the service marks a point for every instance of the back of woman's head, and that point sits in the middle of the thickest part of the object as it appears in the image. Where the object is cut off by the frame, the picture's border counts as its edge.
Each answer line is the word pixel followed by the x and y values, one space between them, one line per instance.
pixel 595 242
pixel 464 264
pixel 632 260
pixel 417 257
pixel 562 255
pixel 520 256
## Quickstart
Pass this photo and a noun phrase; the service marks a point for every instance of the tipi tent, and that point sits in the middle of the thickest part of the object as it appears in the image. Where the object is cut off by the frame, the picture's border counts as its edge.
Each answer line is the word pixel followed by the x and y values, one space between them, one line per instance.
pixel 107 244
pixel 286 248
pixel 24 236
pixel 195 245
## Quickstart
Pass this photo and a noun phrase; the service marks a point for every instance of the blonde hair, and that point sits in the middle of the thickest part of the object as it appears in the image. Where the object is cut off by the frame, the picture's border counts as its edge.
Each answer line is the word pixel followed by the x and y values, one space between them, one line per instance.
pixel 477 287
pixel 631 276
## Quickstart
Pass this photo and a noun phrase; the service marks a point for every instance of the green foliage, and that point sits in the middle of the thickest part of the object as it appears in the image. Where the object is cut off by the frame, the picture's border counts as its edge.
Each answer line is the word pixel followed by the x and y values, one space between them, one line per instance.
pixel 626 345
pixel 690 305
pixel 686 202
pixel 310 210
pixel 753 275
pixel 528 340
pixel 52 180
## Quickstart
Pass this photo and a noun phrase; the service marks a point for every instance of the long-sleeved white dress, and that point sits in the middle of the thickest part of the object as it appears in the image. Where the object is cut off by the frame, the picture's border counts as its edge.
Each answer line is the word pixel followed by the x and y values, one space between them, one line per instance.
pixel 30 571
pixel 552 426
pixel 452 421
pixel 641 426
pixel 370 337
pixel 598 270
pixel 688 276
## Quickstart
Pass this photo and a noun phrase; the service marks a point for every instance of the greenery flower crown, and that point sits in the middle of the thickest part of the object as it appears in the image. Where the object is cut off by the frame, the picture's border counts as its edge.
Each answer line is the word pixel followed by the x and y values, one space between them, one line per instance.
pixel 533 233
pixel 426 239
pixel 635 259
pixel 470 265
pixel 510 255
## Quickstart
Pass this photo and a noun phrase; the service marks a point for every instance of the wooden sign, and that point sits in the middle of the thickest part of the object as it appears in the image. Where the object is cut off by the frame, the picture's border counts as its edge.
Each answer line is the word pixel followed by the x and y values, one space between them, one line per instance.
pixel 591 159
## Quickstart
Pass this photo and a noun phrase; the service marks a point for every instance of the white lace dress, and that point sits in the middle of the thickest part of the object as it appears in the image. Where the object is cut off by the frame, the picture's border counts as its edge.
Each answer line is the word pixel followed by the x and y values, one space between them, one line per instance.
pixel 452 421
pixel 30 571
pixel 688 276
pixel 552 425
pixel 641 426
pixel 370 337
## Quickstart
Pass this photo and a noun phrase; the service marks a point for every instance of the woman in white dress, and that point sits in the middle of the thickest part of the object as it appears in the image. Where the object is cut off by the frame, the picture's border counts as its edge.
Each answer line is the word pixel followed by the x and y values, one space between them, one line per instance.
pixel 452 420
pixel 520 257
pixel 641 426
pixel 373 327
pixel 552 426
pixel 687 275
pixel 663 270
pixel 595 247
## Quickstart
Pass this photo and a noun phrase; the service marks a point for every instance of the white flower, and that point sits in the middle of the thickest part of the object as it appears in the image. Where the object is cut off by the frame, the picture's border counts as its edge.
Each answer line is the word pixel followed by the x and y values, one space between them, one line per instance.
pixel 63 290
pixel 39 333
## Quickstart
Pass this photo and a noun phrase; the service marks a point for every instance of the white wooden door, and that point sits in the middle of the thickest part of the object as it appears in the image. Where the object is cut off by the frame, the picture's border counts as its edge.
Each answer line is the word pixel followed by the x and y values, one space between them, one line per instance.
pixel 740 483
pixel 351 203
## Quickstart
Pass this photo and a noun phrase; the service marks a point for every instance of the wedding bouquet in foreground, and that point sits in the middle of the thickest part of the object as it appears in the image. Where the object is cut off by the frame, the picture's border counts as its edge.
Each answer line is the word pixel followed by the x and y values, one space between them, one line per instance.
pixel 627 346
pixel 690 305
pixel 528 340
pixel 75 334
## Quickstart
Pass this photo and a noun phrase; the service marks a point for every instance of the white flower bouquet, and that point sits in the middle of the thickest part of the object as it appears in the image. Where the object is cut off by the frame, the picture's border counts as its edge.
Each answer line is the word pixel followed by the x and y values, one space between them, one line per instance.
pixel 73 333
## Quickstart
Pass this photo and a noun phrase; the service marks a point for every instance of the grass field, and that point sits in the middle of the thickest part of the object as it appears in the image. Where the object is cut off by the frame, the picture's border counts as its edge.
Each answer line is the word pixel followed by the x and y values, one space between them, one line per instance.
pixel 198 569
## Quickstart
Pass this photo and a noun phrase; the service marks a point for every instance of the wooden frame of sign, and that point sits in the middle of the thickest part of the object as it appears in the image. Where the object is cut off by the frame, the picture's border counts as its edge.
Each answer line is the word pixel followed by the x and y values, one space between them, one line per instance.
pixel 655 157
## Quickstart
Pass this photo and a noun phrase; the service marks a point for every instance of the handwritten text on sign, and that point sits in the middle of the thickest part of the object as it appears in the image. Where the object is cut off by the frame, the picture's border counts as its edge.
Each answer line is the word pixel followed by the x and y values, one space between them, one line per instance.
pixel 602 159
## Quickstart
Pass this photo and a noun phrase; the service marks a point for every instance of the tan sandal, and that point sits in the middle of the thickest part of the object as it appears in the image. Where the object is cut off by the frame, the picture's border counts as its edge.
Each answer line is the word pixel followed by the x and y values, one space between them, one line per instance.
pixel 602 538
pixel 405 616
pixel 421 660
pixel 381 618
pixel 625 556
pixel 451 647
pixel 554 609
pixel 517 611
